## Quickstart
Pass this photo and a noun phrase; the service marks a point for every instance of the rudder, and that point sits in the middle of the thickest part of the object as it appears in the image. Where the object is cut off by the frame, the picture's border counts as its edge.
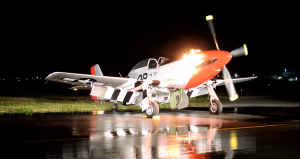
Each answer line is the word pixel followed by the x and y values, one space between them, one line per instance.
pixel 95 70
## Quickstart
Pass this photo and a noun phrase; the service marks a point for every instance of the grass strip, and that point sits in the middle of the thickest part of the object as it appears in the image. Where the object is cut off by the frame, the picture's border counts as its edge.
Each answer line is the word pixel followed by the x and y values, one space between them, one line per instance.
pixel 49 105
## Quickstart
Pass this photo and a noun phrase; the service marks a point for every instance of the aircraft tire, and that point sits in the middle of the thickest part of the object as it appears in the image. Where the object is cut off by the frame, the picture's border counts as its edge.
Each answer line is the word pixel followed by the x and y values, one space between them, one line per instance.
pixel 115 106
pixel 152 110
pixel 216 108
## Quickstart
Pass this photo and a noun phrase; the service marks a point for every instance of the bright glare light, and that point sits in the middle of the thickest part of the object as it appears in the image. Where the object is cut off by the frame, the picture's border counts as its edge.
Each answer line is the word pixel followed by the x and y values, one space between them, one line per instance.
pixel 192 60
pixel 192 51
pixel 253 74
pixel 284 70
pixel 279 78
pixel 296 79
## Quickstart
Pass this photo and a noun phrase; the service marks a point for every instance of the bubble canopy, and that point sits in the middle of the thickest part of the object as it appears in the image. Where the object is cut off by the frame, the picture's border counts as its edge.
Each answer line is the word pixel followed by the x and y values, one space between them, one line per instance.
pixel 141 64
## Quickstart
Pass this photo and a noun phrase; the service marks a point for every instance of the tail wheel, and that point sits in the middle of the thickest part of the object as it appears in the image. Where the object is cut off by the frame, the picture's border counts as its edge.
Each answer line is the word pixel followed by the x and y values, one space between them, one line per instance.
pixel 152 110
pixel 215 107
pixel 115 106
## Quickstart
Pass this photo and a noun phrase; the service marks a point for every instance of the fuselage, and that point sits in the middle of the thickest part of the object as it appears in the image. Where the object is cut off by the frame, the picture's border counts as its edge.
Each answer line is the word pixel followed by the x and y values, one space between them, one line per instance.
pixel 190 72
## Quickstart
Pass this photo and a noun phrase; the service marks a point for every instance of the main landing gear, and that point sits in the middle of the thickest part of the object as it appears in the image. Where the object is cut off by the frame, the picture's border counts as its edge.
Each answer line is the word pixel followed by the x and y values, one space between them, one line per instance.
pixel 152 110
pixel 215 106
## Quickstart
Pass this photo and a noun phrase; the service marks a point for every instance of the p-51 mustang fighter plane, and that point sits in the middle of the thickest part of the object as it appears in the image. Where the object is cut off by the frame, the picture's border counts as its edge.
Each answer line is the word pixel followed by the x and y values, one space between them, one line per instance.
pixel 152 81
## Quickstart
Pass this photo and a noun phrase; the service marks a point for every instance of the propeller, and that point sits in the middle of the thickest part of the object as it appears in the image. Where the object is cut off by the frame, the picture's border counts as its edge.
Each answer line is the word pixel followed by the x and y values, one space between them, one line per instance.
pixel 237 52
pixel 241 51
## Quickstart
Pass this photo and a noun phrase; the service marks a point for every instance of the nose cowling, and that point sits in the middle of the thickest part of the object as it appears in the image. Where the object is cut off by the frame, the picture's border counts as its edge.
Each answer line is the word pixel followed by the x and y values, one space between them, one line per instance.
pixel 211 66
pixel 222 57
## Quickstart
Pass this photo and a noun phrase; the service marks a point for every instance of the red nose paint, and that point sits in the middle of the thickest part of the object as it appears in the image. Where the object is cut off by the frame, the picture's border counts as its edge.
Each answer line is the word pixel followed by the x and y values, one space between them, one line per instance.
pixel 209 68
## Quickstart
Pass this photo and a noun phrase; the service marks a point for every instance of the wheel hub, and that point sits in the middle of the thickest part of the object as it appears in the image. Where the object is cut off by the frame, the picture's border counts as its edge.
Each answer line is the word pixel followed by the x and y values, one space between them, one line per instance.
pixel 214 107
pixel 149 110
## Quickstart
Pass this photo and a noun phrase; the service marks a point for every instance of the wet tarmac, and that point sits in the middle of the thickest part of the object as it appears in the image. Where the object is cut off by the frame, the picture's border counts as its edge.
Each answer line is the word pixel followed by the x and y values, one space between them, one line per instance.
pixel 177 134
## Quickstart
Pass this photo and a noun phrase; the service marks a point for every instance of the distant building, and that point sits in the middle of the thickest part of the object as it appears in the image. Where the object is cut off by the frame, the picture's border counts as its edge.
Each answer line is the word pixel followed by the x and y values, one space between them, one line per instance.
pixel 288 75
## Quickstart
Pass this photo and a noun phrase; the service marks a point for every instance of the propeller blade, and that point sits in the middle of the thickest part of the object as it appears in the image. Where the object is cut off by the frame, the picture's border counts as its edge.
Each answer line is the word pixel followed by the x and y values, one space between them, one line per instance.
pixel 241 51
pixel 229 84
pixel 209 20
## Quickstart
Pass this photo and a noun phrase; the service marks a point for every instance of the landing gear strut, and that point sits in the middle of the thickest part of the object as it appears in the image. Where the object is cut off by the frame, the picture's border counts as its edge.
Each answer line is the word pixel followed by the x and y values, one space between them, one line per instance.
pixel 215 106
pixel 152 110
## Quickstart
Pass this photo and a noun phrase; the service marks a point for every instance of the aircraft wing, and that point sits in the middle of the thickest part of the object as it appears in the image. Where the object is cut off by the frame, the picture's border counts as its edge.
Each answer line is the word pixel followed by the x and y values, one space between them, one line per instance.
pixel 86 79
pixel 235 80
pixel 126 90
pixel 115 82
pixel 202 89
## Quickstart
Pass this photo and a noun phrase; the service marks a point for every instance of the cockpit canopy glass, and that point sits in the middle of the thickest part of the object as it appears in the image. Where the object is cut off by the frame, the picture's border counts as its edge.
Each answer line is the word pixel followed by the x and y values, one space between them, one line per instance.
pixel 141 64
pixel 152 64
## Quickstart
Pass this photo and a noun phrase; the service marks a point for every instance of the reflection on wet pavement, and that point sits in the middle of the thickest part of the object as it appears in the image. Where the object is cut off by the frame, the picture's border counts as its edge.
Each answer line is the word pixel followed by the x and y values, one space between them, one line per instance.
pixel 128 135
pixel 169 137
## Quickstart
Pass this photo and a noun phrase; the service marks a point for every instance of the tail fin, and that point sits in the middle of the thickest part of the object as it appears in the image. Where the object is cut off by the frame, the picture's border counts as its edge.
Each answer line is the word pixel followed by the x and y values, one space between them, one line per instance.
pixel 95 70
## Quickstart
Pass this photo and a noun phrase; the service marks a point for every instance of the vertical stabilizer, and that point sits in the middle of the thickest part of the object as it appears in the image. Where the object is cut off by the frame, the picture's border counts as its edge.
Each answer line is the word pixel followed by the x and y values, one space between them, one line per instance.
pixel 95 70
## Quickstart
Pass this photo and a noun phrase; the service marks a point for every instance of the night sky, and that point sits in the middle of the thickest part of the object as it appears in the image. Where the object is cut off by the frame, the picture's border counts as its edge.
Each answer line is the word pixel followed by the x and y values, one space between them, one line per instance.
pixel 37 42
